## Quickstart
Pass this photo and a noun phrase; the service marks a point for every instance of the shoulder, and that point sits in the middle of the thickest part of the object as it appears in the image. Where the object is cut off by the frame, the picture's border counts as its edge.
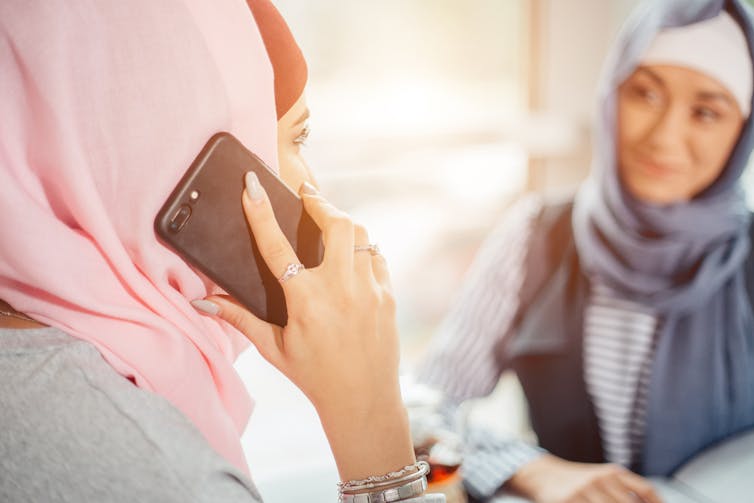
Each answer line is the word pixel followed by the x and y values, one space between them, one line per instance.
pixel 521 214
pixel 532 221
pixel 535 212
pixel 73 426
pixel 509 236
pixel 522 235
pixel 552 228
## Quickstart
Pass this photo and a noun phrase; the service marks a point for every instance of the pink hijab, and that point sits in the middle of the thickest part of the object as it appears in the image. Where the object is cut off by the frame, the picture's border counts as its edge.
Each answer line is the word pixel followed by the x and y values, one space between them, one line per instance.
pixel 104 105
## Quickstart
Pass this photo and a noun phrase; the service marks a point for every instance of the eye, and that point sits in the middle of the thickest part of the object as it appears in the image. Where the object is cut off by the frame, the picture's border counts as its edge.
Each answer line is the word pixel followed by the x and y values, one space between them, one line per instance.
pixel 705 114
pixel 303 135
pixel 645 94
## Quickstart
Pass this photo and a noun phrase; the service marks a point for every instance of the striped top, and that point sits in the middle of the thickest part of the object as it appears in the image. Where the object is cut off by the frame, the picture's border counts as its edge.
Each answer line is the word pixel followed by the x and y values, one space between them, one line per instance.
pixel 461 362
pixel 618 349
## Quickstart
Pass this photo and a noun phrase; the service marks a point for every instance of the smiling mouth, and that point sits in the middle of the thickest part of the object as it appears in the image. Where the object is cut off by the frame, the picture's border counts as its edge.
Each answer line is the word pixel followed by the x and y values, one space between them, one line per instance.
pixel 658 169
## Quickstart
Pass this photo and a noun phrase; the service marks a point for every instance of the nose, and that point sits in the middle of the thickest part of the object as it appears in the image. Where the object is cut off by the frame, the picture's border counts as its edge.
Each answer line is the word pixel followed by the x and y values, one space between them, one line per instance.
pixel 668 131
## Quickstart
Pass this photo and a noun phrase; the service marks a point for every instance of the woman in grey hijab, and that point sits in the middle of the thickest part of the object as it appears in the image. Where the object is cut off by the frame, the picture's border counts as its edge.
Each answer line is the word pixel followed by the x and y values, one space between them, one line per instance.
pixel 626 312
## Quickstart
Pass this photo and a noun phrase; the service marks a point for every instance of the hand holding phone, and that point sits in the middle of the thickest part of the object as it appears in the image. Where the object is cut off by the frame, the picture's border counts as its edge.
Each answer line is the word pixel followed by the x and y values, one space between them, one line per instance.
pixel 203 221
pixel 340 346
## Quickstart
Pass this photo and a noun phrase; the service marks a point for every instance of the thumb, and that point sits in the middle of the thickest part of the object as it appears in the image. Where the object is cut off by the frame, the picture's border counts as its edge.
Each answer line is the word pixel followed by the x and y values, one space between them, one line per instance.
pixel 265 336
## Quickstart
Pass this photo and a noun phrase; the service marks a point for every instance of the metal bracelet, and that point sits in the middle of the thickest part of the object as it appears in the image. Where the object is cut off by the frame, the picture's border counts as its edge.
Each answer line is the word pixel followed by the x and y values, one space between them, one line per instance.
pixel 378 478
pixel 412 489
pixel 391 479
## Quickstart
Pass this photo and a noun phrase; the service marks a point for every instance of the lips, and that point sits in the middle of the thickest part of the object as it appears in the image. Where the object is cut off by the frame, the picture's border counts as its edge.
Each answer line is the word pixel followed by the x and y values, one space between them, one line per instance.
pixel 658 167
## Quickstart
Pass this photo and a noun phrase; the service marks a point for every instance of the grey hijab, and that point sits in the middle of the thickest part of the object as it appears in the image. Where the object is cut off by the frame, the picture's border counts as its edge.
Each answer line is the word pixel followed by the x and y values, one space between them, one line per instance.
pixel 686 260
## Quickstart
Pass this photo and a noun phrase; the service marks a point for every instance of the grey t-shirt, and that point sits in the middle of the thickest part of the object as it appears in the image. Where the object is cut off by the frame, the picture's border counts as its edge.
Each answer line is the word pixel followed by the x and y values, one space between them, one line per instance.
pixel 74 430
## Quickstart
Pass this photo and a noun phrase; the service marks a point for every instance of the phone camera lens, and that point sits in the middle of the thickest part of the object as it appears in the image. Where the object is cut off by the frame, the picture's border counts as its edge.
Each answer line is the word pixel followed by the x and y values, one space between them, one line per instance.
pixel 180 218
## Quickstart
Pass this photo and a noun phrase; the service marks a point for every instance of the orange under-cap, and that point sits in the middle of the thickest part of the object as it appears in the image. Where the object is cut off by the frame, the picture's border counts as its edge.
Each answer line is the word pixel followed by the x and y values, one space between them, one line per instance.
pixel 288 63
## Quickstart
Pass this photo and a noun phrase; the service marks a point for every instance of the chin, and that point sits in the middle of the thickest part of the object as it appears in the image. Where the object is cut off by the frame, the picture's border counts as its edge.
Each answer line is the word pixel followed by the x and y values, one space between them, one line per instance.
pixel 654 195
pixel 653 190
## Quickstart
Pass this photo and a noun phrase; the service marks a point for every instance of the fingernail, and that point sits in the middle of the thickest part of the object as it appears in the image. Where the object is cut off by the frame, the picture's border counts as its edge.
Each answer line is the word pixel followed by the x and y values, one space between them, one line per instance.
pixel 253 187
pixel 205 306
pixel 308 189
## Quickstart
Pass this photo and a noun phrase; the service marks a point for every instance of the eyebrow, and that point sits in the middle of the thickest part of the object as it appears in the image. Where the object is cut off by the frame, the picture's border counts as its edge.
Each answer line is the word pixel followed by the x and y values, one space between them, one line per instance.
pixel 651 75
pixel 715 96
pixel 303 117
pixel 702 95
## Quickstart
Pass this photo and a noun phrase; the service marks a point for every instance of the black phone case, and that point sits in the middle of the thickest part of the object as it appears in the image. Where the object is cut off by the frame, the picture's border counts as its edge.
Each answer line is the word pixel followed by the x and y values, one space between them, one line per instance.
pixel 211 232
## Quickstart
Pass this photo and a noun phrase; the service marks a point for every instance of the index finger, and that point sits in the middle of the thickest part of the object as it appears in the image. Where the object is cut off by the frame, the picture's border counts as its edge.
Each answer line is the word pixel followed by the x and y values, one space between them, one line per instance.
pixel 272 243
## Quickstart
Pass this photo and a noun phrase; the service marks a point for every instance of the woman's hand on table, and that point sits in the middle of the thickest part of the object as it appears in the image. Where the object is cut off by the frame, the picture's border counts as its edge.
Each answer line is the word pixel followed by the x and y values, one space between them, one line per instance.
pixel 549 479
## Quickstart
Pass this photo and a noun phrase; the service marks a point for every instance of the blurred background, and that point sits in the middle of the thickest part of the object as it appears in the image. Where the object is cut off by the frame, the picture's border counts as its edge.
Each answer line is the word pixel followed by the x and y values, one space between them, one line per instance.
pixel 428 118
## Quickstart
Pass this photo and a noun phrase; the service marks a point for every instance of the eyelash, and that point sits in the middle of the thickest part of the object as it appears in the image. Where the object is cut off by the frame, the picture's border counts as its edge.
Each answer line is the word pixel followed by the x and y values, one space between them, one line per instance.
pixel 645 93
pixel 706 114
pixel 301 138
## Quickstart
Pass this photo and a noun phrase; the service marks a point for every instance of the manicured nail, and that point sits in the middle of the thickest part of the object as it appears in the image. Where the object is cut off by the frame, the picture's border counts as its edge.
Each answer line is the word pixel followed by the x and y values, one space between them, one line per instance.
pixel 308 189
pixel 253 187
pixel 205 306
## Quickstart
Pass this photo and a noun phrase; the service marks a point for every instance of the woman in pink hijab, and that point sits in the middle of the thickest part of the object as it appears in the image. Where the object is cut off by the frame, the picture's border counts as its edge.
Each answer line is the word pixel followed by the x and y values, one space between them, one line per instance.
pixel 115 387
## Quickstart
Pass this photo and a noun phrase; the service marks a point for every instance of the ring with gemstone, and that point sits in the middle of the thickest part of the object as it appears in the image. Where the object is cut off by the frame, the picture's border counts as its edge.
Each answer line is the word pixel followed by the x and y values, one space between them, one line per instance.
pixel 291 271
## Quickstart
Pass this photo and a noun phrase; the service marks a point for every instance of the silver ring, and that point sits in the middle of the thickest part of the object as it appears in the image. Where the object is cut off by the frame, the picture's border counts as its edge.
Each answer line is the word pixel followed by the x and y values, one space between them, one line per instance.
pixel 372 248
pixel 291 271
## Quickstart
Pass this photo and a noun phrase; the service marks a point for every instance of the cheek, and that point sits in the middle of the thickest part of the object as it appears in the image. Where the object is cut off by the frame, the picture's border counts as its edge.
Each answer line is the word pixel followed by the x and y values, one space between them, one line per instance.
pixel 288 171
pixel 293 169
pixel 711 153
pixel 631 129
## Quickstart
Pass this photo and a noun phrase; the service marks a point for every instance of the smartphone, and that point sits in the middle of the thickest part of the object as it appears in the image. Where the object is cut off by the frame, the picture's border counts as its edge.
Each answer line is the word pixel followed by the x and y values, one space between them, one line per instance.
pixel 203 221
